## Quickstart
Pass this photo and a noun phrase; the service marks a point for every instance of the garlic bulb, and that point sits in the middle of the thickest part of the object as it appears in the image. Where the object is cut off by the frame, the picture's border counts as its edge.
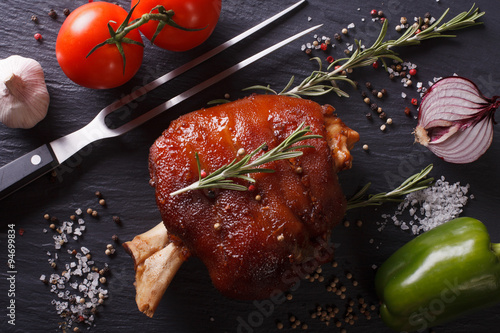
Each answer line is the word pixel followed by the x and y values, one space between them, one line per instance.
pixel 24 99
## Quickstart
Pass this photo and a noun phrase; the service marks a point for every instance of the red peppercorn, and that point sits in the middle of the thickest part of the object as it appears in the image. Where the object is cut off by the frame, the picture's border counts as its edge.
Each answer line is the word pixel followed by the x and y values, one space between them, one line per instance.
pixel 38 36
pixel 337 67
pixel 375 65
pixel 374 12
pixel 251 188
pixel 382 19
pixel 407 111
pixel 413 72
pixel 414 101
pixel 418 31
pixel 324 46
pixel 203 173
pixel 21 231
pixel 330 59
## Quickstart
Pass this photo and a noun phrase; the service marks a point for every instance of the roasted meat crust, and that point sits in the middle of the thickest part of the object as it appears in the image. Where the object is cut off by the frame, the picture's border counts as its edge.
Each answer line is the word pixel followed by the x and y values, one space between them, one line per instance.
pixel 269 236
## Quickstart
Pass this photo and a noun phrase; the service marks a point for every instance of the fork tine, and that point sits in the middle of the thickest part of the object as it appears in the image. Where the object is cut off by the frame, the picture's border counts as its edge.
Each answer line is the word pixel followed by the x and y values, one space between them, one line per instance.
pixel 207 83
pixel 193 63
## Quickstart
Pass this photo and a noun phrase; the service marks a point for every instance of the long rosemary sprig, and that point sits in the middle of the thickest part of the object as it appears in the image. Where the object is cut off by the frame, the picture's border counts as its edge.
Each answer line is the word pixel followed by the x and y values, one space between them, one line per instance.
pixel 223 177
pixel 418 181
pixel 322 82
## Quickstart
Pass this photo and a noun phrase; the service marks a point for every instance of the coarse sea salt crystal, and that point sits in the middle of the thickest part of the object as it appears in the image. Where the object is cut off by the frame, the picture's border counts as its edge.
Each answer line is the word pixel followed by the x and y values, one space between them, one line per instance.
pixel 430 207
pixel 60 285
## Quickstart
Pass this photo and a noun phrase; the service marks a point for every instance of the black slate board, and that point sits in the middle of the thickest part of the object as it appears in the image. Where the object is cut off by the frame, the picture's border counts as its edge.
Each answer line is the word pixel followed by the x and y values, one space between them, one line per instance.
pixel 118 167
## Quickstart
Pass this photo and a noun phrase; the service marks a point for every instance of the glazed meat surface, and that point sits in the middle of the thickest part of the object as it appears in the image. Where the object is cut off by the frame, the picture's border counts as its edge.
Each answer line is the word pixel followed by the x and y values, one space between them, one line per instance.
pixel 260 241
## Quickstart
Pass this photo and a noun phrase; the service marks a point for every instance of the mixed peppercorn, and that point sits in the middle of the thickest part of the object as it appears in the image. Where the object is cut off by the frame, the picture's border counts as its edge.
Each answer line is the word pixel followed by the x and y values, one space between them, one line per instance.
pixel 81 273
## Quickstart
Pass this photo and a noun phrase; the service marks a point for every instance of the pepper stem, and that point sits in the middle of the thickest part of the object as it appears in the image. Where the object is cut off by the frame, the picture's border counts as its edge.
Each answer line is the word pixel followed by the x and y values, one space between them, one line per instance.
pixel 495 247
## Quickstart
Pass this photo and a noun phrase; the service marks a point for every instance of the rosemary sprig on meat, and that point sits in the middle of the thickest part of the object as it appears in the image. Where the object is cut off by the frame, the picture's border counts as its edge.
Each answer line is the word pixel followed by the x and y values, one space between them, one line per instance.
pixel 240 168
pixel 418 181
pixel 322 82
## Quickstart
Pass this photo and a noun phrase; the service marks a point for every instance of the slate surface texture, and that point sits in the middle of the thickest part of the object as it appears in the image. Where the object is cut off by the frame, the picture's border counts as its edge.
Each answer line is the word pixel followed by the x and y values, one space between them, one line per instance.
pixel 118 167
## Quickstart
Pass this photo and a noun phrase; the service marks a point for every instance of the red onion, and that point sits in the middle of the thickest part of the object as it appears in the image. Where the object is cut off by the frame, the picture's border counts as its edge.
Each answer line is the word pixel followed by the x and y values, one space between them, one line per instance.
pixel 455 120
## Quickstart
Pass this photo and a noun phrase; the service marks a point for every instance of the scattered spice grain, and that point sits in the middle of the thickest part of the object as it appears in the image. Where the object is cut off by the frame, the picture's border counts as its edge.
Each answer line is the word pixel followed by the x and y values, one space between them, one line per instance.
pixel 52 14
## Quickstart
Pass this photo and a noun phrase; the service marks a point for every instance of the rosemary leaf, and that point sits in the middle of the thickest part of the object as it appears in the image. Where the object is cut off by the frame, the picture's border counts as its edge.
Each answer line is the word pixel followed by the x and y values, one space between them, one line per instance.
pixel 416 182
pixel 323 82
pixel 223 177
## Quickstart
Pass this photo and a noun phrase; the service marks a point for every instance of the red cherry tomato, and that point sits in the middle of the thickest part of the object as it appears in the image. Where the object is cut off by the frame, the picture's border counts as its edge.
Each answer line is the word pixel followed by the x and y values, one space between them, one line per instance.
pixel 83 29
pixel 191 14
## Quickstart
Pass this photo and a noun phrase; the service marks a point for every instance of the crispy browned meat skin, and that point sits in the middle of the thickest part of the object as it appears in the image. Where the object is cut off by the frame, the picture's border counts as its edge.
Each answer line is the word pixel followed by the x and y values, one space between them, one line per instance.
pixel 266 245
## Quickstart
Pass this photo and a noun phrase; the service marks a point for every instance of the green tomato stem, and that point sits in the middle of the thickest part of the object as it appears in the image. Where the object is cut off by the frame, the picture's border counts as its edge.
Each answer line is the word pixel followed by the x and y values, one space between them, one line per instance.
pixel 145 18
pixel 118 37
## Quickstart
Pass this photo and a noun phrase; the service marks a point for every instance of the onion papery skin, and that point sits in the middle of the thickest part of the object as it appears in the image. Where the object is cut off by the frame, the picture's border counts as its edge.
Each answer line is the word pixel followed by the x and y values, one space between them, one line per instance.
pixel 455 120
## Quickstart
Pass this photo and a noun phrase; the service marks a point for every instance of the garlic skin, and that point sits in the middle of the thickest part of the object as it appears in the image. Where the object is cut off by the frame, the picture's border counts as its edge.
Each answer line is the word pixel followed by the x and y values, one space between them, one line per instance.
pixel 24 98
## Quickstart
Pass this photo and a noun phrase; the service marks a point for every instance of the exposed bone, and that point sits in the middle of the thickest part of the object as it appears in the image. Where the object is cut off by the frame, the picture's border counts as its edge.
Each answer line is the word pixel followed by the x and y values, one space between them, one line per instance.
pixel 156 261
pixel 154 275
pixel 146 244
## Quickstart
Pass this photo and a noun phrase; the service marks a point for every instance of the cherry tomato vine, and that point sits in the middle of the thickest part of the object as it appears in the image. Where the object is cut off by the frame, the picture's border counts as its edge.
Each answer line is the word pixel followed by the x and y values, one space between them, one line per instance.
pixel 95 51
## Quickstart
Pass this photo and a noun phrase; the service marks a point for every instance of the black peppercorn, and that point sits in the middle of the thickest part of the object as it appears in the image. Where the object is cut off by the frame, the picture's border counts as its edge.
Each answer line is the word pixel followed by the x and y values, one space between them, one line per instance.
pixel 382 115
pixel 363 94
pixel 34 18
pixel 117 219
pixel 337 37
pixel 211 194
pixel 104 271
pixel 368 85
pixel 384 91
pixel 52 14
pixel 374 92
pixel 66 11
pixel 368 116
pixel 427 15
pixel 308 51
pixel 373 106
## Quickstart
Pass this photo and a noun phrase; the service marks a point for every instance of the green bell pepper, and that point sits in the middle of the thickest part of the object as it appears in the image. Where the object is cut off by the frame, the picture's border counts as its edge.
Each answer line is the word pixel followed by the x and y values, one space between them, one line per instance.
pixel 439 275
